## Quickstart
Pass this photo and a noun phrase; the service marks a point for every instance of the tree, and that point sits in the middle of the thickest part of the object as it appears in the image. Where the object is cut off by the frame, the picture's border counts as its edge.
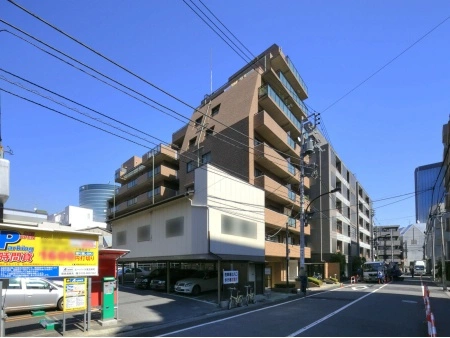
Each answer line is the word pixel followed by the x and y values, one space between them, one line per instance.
pixel 339 258
pixel 357 262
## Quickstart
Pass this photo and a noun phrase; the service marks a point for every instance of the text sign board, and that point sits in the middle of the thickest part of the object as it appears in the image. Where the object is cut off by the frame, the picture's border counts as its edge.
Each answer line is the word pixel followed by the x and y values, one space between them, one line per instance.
pixel 230 277
pixel 75 294
pixel 38 253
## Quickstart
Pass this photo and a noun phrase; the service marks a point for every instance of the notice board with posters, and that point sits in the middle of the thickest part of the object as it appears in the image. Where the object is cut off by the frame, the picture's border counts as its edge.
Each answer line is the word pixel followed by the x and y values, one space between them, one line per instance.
pixel 29 252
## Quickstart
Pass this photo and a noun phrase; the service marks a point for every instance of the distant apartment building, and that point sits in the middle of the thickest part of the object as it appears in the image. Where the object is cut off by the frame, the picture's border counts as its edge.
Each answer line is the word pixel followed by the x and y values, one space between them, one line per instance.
pixel 388 245
pixel 343 221
pixel 429 188
pixel 249 129
pixel 95 197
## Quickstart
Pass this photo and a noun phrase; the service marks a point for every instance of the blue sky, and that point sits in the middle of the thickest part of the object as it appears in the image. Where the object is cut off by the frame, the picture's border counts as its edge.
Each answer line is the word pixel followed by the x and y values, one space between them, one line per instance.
pixel 382 130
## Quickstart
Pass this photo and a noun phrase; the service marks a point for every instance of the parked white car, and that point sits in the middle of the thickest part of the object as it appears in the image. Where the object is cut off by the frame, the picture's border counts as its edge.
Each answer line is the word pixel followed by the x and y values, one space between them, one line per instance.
pixel 199 281
pixel 33 293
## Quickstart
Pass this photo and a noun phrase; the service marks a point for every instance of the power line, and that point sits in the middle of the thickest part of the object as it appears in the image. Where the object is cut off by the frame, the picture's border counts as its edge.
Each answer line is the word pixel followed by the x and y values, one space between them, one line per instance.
pixel 386 64
pixel 109 78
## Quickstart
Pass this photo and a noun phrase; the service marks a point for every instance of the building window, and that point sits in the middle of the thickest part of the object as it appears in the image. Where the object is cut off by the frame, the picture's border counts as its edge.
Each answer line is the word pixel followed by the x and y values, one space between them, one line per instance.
pixel 209 131
pixel 291 195
pixel 258 172
pixel 121 238
pixel 339 206
pixel 132 201
pixel 291 168
pixel 190 166
pixel 156 191
pixel 175 227
pixel 131 184
pixel 215 110
pixel 338 165
pixel 143 233
pixel 339 227
pixel 198 122
pixel 206 158
pixel 155 172
pixel 192 141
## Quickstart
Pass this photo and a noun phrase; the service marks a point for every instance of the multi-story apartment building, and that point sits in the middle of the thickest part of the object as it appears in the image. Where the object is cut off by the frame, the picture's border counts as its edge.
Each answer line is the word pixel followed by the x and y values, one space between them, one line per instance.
pixel 388 245
pixel 249 129
pixel 343 221
pixel 429 188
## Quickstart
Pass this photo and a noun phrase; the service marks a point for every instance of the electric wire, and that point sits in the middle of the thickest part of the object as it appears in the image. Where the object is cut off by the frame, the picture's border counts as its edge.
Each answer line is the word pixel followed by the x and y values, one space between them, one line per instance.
pixel 109 78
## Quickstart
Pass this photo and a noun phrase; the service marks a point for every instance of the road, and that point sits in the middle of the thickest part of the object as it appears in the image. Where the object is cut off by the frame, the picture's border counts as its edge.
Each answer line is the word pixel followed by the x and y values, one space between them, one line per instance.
pixel 394 309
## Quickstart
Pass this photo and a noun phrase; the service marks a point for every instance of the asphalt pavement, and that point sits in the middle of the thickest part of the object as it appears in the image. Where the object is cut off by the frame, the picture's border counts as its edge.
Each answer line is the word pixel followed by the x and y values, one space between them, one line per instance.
pixel 140 310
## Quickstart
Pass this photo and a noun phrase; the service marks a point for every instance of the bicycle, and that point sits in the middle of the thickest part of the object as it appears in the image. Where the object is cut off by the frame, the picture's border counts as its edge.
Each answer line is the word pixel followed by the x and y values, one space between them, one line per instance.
pixel 235 301
pixel 249 296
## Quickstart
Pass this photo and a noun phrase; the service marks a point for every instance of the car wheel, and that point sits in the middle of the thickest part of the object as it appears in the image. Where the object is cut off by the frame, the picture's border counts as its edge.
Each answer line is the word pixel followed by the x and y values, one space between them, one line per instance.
pixel 196 290
pixel 60 304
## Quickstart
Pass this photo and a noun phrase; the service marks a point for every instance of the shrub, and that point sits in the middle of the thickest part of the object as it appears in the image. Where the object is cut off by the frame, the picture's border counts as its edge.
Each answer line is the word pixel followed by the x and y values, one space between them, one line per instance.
pixel 315 281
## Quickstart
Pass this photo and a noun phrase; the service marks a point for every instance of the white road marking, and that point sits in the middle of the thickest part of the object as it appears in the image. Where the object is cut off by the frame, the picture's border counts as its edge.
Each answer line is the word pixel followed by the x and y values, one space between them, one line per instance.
pixel 332 313
pixel 242 314
pixel 409 301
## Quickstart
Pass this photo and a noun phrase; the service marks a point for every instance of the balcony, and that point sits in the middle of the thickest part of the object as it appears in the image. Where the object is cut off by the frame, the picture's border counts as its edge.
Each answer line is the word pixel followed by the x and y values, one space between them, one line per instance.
pixel 278 220
pixel 277 192
pixel 265 125
pixel 273 249
pixel 278 110
pixel 178 136
pixel 269 159
pixel 124 174
pixel 160 154
pixel 143 200
pixel 145 182
pixel 286 66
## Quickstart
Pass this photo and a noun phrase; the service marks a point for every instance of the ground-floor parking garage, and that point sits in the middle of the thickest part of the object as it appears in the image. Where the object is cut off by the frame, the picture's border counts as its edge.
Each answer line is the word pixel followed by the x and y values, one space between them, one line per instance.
pixel 192 277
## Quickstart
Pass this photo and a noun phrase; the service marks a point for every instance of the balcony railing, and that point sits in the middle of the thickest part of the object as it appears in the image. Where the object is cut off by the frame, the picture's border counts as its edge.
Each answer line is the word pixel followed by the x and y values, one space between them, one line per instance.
pixel 296 74
pixel 267 90
pixel 291 91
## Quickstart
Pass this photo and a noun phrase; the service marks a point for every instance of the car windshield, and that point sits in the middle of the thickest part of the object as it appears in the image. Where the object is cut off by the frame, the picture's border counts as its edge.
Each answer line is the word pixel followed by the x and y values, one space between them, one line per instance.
pixel 370 267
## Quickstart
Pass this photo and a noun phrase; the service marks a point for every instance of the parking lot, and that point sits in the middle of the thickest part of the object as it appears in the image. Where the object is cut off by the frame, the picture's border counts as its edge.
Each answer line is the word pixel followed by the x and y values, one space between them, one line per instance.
pixel 136 308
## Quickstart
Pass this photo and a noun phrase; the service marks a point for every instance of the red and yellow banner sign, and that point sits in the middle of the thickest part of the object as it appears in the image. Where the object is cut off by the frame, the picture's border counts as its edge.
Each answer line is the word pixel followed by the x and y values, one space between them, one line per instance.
pixel 37 248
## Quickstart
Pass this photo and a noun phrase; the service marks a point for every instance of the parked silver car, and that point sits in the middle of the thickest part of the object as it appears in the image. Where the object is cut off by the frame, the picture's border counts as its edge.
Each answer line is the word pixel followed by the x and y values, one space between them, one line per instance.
pixel 31 293
pixel 199 281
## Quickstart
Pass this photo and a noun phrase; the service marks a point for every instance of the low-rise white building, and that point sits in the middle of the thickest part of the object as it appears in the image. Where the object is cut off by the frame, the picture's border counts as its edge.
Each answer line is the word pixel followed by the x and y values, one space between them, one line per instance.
pixel 218 226
pixel 77 218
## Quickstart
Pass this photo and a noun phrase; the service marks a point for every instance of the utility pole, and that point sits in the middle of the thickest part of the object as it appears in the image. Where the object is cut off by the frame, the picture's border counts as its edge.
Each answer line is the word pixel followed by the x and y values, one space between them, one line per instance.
pixel 444 279
pixel 306 148
pixel 433 242
pixel 287 254
pixel 392 248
